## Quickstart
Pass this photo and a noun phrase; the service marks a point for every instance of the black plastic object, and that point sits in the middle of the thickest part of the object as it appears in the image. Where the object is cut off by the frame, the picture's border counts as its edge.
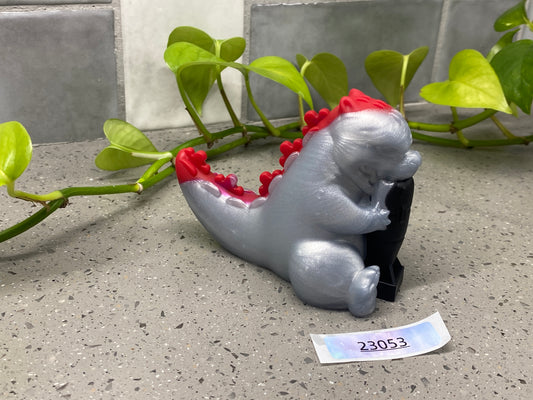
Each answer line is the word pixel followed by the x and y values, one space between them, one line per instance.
pixel 382 247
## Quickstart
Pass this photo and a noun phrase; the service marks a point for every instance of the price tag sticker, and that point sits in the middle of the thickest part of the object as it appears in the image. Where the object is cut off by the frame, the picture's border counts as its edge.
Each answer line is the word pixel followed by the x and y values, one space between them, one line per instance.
pixel 410 340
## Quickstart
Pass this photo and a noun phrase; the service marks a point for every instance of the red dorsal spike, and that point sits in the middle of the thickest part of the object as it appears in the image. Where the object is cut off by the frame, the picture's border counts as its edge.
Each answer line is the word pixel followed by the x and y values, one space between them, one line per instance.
pixel 192 166
pixel 238 190
pixel 311 118
pixel 186 168
pixel 199 157
pixel 346 105
pixel 266 178
pixel 286 147
pixel 298 144
pixel 354 102
pixel 323 113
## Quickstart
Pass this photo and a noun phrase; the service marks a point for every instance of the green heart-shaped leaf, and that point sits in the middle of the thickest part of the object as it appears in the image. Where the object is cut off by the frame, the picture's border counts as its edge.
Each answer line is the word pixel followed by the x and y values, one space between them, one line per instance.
pixel 514 66
pixel 472 84
pixel 327 74
pixel 126 141
pixel 301 60
pixel 15 151
pixel 197 82
pixel 123 134
pixel 283 72
pixel 390 71
pixel 514 16
pixel 231 49
pixel 114 159
pixel 272 67
pixel 192 35
pixel 198 79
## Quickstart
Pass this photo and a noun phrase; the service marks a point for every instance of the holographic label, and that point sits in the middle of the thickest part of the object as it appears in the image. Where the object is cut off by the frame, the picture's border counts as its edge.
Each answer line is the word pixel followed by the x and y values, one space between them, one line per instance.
pixel 406 341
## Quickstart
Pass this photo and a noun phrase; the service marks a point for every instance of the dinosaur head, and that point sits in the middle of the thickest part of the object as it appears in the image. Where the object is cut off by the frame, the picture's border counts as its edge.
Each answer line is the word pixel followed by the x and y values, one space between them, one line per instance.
pixel 371 140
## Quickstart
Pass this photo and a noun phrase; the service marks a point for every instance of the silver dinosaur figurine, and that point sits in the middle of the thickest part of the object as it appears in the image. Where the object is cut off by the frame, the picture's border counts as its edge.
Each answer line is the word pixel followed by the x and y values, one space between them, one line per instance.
pixel 309 220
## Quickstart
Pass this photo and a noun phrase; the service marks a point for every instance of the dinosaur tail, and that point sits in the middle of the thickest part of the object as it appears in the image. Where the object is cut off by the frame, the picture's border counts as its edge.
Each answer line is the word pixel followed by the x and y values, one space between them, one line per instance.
pixel 227 211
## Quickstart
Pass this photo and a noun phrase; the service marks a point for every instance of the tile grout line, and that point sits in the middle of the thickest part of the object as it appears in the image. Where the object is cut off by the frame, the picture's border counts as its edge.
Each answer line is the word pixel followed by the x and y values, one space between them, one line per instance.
pixel 441 37
pixel 55 7
pixel 119 59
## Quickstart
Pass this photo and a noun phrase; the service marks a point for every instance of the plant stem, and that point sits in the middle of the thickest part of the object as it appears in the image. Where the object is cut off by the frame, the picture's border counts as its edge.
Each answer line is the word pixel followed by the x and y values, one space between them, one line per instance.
pixel 151 155
pixel 190 108
pixel 430 127
pixel 459 132
pixel 402 105
pixel 301 111
pixel 239 142
pixel 153 170
pixel 231 112
pixel 475 119
pixel 506 132
pixel 458 125
pixel 37 198
pixel 273 130
pixel 53 205
pixel 151 176
pixel 222 91
pixel 402 84
pixel 471 142
pixel 32 220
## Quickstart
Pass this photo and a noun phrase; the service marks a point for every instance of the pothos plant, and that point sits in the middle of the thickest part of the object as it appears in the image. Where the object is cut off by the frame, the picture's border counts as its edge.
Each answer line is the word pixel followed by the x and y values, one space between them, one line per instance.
pixel 502 81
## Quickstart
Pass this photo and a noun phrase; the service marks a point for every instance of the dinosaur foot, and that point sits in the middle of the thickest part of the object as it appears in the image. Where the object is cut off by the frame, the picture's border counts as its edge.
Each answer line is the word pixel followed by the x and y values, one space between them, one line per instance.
pixel 363 291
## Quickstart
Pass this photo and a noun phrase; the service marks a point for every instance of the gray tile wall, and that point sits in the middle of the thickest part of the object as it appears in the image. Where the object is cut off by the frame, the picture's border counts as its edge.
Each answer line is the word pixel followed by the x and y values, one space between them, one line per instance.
pixel 60 69
pixel 58 72
pixel 47 2
pixel 468 25
pixel 352 30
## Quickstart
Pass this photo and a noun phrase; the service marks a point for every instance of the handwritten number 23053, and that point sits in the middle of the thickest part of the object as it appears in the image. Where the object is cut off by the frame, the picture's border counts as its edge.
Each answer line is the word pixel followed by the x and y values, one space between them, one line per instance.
pixel 389 344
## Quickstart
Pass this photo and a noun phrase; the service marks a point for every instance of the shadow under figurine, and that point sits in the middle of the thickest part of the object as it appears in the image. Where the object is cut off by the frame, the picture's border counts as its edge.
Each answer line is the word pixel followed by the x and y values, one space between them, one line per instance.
pixel 310 221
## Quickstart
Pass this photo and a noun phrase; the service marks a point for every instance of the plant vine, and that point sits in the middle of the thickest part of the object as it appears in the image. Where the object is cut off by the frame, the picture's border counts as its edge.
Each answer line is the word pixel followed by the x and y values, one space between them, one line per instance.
pixel 502 81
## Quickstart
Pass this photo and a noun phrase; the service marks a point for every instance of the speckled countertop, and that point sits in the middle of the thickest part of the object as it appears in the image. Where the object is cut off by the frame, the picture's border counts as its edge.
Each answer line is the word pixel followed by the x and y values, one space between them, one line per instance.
pixel 127 296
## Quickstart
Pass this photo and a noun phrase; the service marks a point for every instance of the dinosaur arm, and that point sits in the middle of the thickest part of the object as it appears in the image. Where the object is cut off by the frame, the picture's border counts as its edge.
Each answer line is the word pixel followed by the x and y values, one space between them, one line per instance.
pixel 339 214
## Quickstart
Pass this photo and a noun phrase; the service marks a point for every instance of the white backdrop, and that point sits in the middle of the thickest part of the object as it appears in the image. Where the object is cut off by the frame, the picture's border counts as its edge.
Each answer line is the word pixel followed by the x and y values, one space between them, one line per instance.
pixel 151 93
